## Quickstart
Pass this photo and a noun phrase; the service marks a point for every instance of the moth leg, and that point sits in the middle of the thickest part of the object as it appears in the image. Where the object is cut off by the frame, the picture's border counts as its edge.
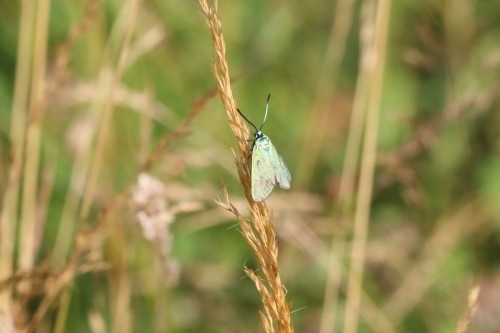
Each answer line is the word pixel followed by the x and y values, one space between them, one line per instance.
pixel 251 148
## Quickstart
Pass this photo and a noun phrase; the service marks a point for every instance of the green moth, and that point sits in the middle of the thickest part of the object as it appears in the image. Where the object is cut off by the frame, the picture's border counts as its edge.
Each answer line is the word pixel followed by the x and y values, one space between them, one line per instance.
pixel 268 166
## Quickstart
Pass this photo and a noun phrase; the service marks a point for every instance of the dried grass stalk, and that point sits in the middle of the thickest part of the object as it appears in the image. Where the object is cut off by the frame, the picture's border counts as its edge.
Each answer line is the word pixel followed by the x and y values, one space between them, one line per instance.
pixel 464 322
pixel 259 232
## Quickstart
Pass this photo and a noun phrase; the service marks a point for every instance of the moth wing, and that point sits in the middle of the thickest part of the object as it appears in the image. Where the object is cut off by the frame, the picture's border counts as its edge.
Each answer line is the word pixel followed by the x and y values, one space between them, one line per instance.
pixel 263 177
pixel 280 169
pixel 286 179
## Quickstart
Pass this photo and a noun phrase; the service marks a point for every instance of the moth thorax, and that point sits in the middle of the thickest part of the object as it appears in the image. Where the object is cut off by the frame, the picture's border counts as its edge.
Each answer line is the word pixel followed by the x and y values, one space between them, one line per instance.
pixel 262 142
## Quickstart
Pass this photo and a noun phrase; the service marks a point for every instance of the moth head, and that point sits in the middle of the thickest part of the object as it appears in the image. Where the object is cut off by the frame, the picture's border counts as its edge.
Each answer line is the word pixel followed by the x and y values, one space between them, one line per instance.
pixel 258 131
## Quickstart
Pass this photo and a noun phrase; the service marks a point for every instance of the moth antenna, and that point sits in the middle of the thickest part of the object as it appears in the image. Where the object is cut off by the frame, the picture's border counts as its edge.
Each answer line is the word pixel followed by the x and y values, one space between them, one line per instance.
pixel 265 115
pixel 248 121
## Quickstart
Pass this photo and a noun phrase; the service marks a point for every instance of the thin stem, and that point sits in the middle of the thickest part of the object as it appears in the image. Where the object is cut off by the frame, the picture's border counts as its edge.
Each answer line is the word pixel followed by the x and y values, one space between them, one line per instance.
pixel 259 233
pixel 17 137
pixel 362 215
pixel 28 232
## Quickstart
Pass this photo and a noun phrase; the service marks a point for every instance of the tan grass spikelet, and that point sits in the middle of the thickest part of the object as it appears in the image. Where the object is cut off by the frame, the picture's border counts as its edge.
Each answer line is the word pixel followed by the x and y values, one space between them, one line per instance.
pixel 259 232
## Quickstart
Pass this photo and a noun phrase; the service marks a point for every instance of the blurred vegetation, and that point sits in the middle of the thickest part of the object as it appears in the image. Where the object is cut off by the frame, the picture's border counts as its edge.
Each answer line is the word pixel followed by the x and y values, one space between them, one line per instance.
pixel 154 253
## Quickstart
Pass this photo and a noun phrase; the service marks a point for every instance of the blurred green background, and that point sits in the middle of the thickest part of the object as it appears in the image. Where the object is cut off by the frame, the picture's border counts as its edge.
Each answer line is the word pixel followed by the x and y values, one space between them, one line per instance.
pixel 435 215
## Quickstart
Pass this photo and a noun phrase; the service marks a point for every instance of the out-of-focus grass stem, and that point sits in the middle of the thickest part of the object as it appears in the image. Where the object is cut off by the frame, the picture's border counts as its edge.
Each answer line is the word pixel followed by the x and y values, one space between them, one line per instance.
pixel 17 138
pixel 28 221
pixel 362 212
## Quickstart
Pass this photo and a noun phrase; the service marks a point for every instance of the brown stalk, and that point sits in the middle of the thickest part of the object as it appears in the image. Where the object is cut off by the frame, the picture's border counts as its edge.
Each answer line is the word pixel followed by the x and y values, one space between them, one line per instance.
pixel 107 113
pixel 10 202
pixel 426 134
pixel 28 236
pixel 423 272
pixel 63 243
pixel 472 305
pixel 368 158
pixel 179 132
pixel 259 232
pixel 346 189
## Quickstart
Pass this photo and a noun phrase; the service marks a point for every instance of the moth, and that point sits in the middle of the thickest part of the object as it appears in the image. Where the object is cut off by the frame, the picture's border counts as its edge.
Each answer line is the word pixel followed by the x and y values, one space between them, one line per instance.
pixel 268 167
